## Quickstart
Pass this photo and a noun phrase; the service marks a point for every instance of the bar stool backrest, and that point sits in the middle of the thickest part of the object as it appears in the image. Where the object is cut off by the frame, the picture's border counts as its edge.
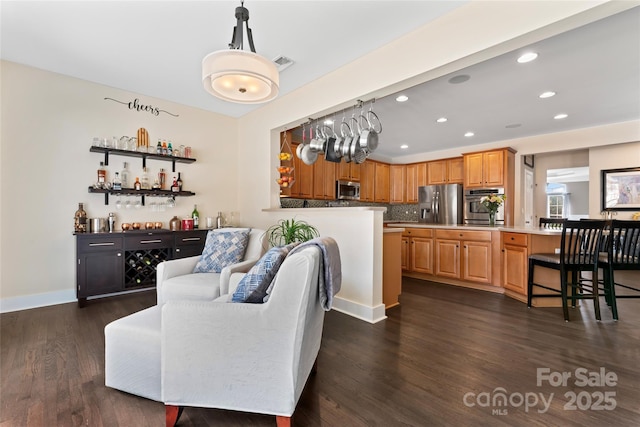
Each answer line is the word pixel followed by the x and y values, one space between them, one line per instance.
pixel 581 241
pixel 553 223
pixel 624 243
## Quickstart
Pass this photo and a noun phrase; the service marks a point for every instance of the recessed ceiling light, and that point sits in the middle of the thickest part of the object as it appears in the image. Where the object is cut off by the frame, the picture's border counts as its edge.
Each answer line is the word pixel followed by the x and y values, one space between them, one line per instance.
pixel 513 125
pixel 547 94
pixel 404 146
pixel 460 78
pixel 402 98
pixel 469 134
pixel 328 122
pixel 441 120
pixel 560 116
pixel 527 57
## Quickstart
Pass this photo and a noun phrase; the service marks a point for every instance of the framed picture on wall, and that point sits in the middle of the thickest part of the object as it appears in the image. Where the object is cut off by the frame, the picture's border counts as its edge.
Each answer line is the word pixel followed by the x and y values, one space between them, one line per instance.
pixel 620 189
pixel 528 160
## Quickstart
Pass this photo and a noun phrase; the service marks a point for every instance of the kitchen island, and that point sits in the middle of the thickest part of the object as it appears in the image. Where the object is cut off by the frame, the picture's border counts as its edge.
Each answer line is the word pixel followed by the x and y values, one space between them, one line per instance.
pixel 493 259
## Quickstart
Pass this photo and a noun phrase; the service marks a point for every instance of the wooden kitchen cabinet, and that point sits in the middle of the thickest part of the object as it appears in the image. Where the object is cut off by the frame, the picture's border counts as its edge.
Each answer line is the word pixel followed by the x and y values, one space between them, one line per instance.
pixel 381 187
pixel 417 250
pixel 367 181
pixel 515 257
pixel 324 179
pixel 303 187
pixel 465 255
pixel 487 169
pixel 397 183
pixel 422 174
pixel 446 171
pixel 411 183
pixel 349 171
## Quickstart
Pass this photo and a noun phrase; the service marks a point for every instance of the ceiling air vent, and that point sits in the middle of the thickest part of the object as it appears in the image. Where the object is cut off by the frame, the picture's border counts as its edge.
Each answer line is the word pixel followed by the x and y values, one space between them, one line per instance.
pixel 283 62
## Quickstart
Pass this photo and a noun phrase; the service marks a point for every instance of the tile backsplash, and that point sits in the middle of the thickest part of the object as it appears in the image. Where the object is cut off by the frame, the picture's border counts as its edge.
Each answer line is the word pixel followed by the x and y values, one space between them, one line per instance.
pixel 408 212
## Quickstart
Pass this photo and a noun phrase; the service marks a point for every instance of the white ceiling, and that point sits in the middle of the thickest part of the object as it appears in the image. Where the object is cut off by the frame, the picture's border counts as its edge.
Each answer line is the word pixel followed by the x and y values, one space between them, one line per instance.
pixel 156 49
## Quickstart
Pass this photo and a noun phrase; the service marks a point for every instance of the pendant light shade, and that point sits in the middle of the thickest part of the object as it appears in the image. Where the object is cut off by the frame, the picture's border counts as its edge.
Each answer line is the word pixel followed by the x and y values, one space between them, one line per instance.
pixel 239 76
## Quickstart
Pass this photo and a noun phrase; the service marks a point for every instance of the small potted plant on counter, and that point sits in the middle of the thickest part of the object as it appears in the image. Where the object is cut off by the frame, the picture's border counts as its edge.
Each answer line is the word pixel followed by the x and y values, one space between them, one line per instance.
pixel 287 231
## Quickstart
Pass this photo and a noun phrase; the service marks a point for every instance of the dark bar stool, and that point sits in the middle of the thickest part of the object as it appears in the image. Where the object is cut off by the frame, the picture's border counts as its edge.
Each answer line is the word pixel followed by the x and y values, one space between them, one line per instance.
pixel 623 253
pixel 553 223
pixel 579 250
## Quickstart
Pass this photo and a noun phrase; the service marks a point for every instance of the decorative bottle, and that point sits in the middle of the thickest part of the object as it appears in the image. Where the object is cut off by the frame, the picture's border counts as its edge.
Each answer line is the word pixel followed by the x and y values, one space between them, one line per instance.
pixel 124 176
pixel 137 185
pixel 159 147
pixel 196 216
pixel 162 178
pixel 80 219
pixel 102 175
pixel 219 220
pixel 179 182
pixel 144 182
pixel 174 186
pixel 117 184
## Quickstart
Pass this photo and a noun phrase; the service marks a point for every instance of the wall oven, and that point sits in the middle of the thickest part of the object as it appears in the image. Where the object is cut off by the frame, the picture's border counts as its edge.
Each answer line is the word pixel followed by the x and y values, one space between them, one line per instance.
pixel 475 213
pixel 347 190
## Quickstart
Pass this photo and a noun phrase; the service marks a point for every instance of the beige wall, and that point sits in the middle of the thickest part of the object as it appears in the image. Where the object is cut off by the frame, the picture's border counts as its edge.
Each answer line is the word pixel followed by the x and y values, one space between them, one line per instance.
pixel 48 121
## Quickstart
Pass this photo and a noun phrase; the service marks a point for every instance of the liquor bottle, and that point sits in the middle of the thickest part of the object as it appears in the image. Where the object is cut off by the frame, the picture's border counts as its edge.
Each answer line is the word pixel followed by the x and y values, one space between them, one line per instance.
pixel 117 184
pixel 174 186
pixel 137 185
pixel 162 178
pixel 179 182
pixel 159 147
pixel 196 216
pixel 170 149
pixel 102 175
pixel 164 148
pixel 124 176
pixel 80 219
pixel 219 220
pixel 144 182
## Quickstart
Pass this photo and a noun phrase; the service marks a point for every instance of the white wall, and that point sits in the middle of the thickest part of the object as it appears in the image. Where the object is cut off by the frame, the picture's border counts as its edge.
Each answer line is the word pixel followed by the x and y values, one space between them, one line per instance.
pixel 48 122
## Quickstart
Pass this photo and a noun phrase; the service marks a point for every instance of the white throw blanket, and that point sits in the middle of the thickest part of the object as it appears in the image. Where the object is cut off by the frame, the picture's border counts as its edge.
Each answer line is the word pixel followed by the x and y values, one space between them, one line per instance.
pixel 330 270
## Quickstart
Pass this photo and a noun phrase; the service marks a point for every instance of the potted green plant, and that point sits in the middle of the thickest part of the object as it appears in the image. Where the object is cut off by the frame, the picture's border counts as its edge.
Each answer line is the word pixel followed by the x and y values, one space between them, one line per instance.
pixel 287 231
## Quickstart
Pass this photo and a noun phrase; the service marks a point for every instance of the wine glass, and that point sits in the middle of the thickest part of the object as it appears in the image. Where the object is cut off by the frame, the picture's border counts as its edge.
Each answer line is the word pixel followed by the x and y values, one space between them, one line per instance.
pixel 118 203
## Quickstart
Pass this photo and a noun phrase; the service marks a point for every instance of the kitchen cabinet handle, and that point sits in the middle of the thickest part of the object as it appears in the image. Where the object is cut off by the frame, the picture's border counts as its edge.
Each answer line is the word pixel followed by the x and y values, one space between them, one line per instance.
pixel 150 241
pixel 192 239
pixel 102 244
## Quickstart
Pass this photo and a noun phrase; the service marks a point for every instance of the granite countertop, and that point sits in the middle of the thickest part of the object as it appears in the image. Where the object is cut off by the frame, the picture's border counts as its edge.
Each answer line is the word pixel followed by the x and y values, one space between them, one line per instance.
pixel 513 229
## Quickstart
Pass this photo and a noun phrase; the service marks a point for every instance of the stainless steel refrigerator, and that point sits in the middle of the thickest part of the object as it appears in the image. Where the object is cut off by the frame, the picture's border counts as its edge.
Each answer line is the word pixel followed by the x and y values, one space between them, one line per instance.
pixel 441 204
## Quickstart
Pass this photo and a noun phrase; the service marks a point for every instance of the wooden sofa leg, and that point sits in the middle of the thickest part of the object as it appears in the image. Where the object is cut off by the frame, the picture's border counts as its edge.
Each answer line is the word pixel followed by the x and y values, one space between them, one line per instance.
pixel 172 414
pixel 283 421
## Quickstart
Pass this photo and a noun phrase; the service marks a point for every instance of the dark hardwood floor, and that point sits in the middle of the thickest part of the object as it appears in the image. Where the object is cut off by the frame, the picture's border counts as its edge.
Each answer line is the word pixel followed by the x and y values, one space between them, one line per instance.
pixel 441 351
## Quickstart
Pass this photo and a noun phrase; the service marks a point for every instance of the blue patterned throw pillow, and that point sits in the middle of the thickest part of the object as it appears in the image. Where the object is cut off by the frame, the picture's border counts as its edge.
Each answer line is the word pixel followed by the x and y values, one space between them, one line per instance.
pixel 221 249
pixel 253 286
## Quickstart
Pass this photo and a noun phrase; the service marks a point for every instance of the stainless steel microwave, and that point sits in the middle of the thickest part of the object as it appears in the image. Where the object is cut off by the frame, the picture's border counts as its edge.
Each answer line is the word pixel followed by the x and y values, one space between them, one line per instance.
pixel 475 212
pixel 347 190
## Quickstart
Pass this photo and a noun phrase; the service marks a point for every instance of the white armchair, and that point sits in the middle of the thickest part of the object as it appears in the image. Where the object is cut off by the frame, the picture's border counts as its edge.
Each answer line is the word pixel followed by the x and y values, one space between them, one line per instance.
pixel 258 361
pixel 175 280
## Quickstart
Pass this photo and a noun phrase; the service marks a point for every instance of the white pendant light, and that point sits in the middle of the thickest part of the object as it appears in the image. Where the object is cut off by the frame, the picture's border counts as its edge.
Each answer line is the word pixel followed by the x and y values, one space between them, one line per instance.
pixel 240 76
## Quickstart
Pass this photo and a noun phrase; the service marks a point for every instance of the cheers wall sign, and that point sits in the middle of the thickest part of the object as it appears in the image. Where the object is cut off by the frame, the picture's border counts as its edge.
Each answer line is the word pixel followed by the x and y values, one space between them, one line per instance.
pixel 136 105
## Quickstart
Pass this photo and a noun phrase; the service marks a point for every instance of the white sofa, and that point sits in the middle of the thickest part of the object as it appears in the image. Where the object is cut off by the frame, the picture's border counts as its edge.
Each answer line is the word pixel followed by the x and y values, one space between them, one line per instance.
pixel 257 361
pixel 175 280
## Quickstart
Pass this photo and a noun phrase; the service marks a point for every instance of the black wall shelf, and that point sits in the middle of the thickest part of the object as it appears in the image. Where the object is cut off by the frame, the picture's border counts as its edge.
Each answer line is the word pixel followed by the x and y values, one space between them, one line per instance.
pixel 143 156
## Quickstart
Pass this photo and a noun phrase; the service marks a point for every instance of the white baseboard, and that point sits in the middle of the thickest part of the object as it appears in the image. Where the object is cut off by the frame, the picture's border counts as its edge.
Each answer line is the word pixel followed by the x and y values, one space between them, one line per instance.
pixel 38 300
pixel 359 311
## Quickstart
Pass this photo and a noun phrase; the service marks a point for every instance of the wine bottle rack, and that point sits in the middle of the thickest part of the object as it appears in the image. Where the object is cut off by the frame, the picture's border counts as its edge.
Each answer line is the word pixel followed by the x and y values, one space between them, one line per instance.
pixel 140 266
